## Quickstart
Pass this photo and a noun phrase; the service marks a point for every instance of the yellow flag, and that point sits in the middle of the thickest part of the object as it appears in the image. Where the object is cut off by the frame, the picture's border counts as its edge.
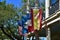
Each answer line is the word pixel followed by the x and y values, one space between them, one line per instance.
pixel 36 19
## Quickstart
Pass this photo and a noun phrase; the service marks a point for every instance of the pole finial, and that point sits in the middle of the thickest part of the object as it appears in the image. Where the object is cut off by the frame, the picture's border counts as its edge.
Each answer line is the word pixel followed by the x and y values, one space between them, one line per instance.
pixel 36 3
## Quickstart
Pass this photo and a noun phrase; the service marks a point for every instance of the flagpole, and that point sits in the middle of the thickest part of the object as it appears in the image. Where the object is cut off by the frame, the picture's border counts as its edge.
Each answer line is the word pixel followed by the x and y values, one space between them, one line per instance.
pixel 47 4
pixel 27 7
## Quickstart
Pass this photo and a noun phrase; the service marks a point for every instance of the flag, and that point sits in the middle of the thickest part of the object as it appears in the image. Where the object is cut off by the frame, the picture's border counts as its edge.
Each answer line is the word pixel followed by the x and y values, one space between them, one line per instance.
pixel 20 27
pixel 36 17
pixel 24 31
pixel 29 22
pixel 40 18
pixel 30 26
pixel 19 22
pixel 20 30
pixel 30 29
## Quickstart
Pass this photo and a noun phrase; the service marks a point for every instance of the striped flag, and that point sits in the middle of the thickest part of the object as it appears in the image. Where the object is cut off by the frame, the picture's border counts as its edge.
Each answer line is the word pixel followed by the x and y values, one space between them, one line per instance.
pixel 40 18
pixel 20 30
pixel 36 17
pixel 30 27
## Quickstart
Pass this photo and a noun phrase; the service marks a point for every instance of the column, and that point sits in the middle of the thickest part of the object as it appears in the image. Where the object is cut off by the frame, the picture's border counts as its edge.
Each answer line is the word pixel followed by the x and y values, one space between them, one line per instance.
pixel 59 4
pixel 47 4
pixel 48 34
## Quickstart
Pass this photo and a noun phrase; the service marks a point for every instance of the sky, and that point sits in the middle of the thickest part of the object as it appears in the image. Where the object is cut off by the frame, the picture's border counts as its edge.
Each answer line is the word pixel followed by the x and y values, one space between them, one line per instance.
pixel 18 3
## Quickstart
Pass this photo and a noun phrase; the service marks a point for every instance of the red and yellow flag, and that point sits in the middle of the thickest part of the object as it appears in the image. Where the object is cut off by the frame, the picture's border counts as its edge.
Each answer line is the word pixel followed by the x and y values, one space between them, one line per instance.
pixel 36 18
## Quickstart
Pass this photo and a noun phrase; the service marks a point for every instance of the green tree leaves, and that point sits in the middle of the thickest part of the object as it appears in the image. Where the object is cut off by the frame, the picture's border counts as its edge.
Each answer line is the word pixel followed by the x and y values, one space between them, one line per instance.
pixel 6 12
